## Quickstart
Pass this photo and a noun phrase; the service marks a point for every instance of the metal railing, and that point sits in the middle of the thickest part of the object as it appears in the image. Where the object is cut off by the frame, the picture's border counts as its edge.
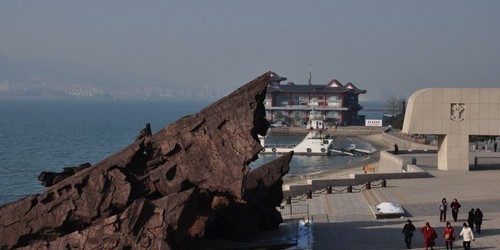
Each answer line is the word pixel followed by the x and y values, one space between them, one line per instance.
pixel 486 162
pixel 294 210
pixel 290 208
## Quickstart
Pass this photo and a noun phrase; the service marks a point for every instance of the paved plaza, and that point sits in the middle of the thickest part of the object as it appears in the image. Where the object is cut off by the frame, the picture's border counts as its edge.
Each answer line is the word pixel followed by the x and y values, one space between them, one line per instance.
pixel 345 220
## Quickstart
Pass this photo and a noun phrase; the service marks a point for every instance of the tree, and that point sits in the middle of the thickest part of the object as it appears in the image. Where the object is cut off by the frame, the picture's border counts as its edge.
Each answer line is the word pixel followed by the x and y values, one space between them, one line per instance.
pixel 396 108
pixel 396 105
pixel 395 121
pixel 297 118
pixel 278 116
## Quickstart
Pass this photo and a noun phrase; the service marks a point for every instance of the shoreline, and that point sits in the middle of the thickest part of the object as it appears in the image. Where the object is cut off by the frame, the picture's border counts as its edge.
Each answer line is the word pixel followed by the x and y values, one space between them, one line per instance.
pixel 354 167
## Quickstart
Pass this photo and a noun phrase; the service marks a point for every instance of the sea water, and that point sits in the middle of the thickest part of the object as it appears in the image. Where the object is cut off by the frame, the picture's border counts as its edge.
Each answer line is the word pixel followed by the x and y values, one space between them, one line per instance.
pixel 47 135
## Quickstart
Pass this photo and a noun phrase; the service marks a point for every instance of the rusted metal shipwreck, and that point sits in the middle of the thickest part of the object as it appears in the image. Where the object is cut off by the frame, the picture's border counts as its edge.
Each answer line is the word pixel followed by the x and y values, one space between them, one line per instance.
pixel 190 180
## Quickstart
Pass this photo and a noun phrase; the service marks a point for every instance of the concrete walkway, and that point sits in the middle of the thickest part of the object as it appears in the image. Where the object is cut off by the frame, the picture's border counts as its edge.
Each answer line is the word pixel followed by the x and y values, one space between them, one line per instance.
pixel 345 220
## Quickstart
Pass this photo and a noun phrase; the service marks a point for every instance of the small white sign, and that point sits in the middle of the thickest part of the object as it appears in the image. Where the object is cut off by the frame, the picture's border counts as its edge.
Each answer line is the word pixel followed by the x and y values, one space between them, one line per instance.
pixel 373 123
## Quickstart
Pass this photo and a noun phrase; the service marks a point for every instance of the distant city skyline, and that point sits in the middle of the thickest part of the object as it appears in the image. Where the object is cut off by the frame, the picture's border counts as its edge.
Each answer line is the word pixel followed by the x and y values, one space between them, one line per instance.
pixel 89 90
pixel 390 48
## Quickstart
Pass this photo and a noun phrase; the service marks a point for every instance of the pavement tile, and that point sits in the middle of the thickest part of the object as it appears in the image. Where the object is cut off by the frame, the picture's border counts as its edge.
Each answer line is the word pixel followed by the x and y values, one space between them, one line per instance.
pixel 351 224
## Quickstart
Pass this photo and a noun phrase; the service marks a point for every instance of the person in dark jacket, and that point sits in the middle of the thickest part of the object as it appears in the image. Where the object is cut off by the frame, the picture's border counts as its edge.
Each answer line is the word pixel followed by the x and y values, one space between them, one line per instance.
pixel 470 219
pixel 408 230
pixel 478 220
pixel 455 206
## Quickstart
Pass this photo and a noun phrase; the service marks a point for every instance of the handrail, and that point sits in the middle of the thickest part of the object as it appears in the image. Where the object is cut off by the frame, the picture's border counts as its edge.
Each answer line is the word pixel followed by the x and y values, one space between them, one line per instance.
pixel 330 190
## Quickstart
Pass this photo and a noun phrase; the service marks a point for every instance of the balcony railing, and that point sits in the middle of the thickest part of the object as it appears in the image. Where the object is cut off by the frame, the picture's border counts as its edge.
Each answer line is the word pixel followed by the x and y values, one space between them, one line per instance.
pixel 309 107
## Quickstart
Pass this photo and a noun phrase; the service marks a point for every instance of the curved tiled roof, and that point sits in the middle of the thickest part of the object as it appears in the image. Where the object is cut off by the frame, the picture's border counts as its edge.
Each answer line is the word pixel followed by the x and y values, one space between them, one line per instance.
pixel 332 87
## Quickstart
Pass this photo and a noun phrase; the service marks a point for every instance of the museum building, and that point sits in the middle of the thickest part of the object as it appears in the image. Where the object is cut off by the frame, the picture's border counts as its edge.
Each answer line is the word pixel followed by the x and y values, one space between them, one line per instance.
pixel 290 103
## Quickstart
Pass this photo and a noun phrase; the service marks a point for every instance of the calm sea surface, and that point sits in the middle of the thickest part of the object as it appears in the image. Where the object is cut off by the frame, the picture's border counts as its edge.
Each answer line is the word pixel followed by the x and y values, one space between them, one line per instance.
pixel 48 135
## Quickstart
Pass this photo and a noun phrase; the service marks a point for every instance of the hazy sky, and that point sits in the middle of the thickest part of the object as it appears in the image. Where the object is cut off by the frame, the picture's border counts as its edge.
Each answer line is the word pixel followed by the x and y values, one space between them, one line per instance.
pixel 386 47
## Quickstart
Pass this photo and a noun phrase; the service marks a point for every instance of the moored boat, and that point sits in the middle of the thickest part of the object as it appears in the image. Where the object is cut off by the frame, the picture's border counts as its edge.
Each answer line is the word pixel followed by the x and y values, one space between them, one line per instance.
pixel 314 143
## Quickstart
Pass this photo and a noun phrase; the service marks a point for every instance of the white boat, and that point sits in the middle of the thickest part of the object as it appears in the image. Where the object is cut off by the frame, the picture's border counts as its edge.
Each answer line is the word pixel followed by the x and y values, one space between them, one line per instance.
pixel 351 150
pixel 315 142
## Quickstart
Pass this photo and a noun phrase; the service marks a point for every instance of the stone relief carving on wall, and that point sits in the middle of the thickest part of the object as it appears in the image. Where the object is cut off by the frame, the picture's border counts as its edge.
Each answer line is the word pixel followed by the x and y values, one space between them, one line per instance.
pixel 457 112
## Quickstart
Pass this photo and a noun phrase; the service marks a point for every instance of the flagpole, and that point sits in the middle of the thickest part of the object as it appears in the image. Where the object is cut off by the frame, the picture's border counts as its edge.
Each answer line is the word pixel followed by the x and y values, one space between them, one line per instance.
pixel 310 75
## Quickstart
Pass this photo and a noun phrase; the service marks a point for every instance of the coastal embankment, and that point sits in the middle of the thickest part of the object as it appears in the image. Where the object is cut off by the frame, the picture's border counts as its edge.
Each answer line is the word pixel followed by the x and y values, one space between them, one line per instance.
pixel 372 135
pixel 339 130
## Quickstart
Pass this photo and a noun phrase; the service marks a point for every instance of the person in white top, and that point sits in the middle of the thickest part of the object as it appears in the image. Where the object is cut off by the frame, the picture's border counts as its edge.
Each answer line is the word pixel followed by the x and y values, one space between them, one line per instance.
pixel 467 235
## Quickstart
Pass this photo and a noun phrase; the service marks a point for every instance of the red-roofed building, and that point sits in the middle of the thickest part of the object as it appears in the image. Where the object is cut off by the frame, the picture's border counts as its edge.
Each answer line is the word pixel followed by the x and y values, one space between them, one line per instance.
pixel 291 103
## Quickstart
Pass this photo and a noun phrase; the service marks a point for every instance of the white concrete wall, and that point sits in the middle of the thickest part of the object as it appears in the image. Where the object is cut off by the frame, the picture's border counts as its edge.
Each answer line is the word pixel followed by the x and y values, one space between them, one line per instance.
pixel 429 111
pixel 453 114
pixel 389 139
pixel 389 163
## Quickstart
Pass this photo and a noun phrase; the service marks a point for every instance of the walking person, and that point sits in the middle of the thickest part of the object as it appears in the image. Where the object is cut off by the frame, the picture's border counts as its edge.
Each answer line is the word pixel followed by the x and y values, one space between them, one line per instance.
pixel 443 206
pixel 467 235
pixel 408 230
pixel 430 236
pixel 478 220
pixel 449 235
pixel 455 206
pixel 470 218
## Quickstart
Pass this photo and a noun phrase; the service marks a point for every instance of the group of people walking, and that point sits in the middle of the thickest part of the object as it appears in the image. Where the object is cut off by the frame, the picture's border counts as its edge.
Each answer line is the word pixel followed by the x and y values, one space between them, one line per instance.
pixel 475 217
